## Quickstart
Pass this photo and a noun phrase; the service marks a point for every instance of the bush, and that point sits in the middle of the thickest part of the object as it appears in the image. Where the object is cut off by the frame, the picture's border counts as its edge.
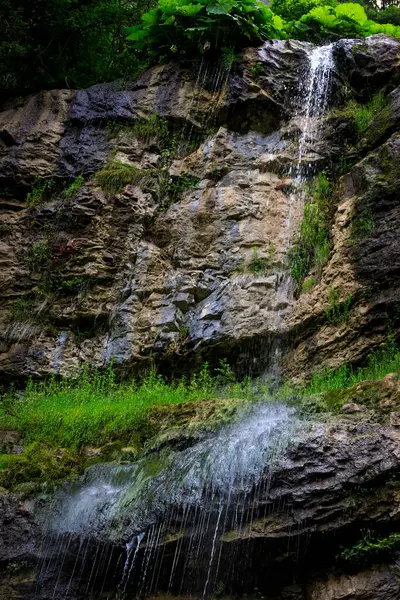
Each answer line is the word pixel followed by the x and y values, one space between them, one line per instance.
pixel 185 28
pixel 293 10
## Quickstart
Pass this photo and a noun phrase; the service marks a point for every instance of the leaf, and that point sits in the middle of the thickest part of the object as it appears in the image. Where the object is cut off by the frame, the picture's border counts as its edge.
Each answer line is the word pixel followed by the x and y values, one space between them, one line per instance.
pixel 138 35
pixel 353 11
pixel 152 17
pixel 190 10
pixel 223 7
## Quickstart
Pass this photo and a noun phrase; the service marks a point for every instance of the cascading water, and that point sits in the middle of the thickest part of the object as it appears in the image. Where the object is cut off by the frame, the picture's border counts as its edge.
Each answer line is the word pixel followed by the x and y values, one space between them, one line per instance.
pixel 311 104
pixel 172 520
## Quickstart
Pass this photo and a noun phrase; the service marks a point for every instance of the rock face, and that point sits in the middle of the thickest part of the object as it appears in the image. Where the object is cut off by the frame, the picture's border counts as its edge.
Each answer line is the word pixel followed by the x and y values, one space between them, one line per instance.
pixel 189 261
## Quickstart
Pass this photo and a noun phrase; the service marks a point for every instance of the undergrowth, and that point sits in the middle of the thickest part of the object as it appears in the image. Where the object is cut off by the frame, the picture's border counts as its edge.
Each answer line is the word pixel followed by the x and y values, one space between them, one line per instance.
pixel 311 249
pixel 372 548
pixel 93 408
pixel 381 362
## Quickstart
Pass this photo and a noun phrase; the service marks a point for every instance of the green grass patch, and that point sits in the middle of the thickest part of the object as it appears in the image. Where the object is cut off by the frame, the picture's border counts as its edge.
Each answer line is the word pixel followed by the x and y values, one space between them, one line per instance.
pixel 363 114
pixel 380 363
pixel 93 409
pixel 311 249
pixel 116 175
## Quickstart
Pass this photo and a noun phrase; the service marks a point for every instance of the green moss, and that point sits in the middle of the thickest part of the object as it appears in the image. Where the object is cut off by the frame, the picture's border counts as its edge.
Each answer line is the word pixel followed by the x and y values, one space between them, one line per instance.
pixel 362 115
pixel 38 463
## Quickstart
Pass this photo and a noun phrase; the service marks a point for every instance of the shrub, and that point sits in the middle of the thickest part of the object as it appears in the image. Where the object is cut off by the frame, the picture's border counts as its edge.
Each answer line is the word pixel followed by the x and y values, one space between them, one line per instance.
pixel 184 28
pixel 293 10
pixel 312 246
pixel 372 548
pixel 115 176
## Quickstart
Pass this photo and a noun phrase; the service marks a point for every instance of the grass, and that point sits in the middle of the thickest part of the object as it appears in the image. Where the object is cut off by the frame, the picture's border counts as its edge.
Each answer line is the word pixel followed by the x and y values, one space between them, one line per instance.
pixel 338 312
pixel 93 409
pixel 311 249
pixel 383 361
pixel 363 114
pixel 116 175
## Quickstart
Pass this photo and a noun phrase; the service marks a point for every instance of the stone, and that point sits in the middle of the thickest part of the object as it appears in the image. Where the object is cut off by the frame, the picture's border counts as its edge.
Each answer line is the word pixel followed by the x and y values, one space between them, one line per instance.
pixel 352 408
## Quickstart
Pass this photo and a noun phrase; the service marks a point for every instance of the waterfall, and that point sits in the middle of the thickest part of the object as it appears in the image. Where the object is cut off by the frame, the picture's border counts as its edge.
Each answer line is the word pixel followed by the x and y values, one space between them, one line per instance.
pixel 174 519
pixel 311 103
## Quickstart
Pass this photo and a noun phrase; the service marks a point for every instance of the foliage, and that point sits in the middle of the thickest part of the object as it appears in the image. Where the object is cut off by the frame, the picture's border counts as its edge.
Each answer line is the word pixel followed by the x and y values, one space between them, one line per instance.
pixel 41 192
pixel 342 20
pixel 74 187
pixel 293 10
pixel 338 312
pixel 308 284
pixel 372 548
pixel 116 175
pixel 186 28
pixel 312 246
pixel 363 114
pixel 93 409
pixel 39 255
pixel 258 265
pixel 68 43
pixel 382 361
pixel 178 184
pixel 391 15
pixel 65 286
pixel 153 129
pixel 65 43
pixel 257 70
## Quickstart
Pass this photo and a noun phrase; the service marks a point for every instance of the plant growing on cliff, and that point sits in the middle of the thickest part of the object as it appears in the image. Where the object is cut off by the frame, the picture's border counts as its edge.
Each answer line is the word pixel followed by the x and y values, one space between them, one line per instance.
pixel 41 191
pixel 74 187
pixel 372 548
pixel 338 312
pixel 312 246
pixel 116 175
pixel 363 114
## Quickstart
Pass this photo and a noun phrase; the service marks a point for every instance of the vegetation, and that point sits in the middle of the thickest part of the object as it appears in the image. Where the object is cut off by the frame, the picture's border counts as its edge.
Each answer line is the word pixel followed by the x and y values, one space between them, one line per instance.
pixel 188 28
pixel 363 114
pixel 372 548
pixel 311 249
pixel 74 187
pixel 93 409
pixel 116 175
pixel 338 312
pixel 68 43
pixel 65 43
pixel 41 192
pixel 381 362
